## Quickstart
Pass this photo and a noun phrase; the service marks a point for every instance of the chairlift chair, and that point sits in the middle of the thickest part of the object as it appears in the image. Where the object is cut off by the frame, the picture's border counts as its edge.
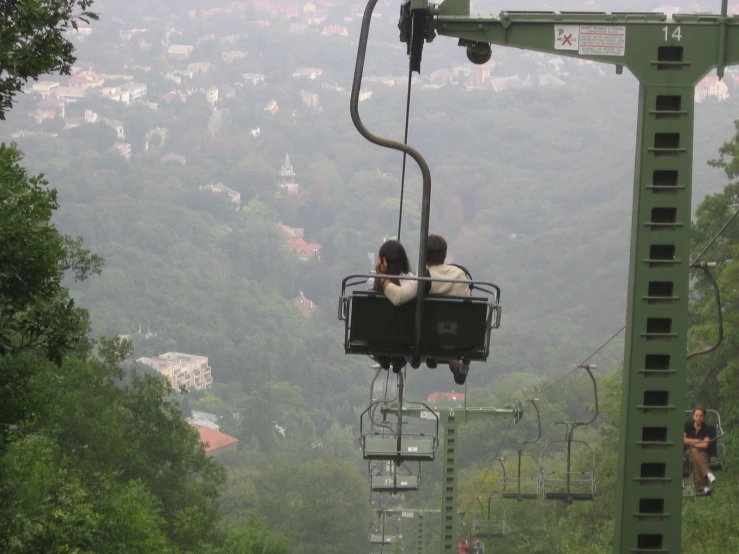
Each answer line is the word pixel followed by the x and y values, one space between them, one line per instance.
pixel 453 327
pixel 385 440
pixel 520 487
pixel 379 538
pixel 716 453
pixel 385 476
pixel 570 485
pixel 489 529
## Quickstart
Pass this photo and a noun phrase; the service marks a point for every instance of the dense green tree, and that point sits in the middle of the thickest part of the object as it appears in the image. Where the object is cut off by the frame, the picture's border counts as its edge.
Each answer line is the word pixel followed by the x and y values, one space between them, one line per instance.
pixel 322 506
pixel 35 42
pixel 36 310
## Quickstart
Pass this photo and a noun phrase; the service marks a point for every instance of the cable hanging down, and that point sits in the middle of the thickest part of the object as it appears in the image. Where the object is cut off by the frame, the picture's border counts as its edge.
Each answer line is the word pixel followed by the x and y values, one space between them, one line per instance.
pixel 405 154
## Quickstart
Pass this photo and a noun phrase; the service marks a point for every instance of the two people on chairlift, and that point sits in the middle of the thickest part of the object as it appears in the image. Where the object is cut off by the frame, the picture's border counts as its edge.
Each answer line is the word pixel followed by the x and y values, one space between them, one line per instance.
pixel 392 265
pixel 696 442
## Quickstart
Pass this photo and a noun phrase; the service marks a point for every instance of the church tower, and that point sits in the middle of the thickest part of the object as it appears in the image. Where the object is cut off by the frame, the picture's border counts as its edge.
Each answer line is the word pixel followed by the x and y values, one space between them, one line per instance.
pixel 287 177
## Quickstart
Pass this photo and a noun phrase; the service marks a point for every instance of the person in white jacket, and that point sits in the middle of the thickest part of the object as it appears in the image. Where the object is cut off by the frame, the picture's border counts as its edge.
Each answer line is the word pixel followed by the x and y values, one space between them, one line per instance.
pixel 436 249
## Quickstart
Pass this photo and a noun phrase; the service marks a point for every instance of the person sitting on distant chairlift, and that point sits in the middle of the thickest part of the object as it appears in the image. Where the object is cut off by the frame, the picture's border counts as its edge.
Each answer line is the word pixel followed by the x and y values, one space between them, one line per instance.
pixel 696 440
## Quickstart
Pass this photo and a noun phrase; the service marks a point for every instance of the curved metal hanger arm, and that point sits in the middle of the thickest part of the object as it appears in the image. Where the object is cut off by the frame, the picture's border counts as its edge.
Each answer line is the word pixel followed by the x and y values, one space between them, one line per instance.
pixel 412 152
pixel 587 367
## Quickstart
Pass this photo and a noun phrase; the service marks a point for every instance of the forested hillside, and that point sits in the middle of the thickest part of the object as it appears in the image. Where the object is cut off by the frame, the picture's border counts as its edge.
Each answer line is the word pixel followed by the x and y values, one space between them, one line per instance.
pixel 531 187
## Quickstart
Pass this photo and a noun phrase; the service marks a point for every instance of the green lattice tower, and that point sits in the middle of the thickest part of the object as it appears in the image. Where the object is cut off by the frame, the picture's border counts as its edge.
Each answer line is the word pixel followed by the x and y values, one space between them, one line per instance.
pixel 450 418
pixel 668 56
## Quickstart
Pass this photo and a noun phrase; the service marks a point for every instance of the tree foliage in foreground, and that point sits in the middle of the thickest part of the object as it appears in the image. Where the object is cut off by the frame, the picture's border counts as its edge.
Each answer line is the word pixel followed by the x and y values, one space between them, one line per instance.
pixel 32 41
pixel 92 458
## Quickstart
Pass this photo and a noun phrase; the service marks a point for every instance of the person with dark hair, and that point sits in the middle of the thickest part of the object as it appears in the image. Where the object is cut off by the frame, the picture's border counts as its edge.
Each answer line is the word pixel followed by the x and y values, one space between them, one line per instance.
pixel 696 440
pixel 436 249
pixel 392 261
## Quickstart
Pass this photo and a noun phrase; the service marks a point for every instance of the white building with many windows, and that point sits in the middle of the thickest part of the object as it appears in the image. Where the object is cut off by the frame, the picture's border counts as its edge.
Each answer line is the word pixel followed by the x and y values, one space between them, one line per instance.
pixel 188 370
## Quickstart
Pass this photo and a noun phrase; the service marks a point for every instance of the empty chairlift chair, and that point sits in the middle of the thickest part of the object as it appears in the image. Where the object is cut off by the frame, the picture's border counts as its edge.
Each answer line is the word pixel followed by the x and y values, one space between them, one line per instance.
pixel 489 528
pixel 559 479
pixel 567 467
pixel 385 439
pixel 523 484
pixel 385 476
pixel 491 525
pixel 378 534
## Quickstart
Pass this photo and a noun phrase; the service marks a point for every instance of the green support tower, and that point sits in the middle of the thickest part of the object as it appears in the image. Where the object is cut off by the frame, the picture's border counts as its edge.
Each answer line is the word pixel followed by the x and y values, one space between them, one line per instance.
pixel 668 56
pixel 450 418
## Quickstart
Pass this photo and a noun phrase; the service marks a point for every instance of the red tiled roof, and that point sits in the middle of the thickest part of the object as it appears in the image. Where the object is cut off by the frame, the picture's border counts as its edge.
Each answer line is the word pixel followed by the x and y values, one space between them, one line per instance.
pixel 213 440
pixel 303 248
pixel 435 396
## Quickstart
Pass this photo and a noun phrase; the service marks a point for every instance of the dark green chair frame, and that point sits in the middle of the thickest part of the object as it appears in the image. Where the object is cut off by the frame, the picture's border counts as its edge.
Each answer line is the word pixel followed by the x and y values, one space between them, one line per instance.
pixel 396 479
pixel 454 327
pixel 371 430
pixel 563 481
pixel 489 529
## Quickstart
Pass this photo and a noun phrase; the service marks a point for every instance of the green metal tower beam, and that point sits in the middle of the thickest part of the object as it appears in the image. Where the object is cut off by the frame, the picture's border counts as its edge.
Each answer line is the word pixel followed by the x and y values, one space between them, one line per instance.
pixel 668 56
pixel 450 418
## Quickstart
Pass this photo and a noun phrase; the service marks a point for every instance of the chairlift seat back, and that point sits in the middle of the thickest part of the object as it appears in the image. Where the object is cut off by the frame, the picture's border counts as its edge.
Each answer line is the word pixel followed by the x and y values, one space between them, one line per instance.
pixel 388 483
pixel 381 539
pixel 454 327
pixel 412 447
pixel 488 529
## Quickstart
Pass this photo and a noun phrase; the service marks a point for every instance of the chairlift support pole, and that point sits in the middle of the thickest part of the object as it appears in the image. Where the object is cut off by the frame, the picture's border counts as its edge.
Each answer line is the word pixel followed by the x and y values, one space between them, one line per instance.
pixel 668 56
pixel 450 418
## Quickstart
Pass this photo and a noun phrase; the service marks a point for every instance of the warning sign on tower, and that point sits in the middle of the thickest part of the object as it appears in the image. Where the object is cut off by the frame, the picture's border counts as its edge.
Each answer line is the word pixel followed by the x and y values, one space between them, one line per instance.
pixel 602 40
pixel 566 37
pixel 591 40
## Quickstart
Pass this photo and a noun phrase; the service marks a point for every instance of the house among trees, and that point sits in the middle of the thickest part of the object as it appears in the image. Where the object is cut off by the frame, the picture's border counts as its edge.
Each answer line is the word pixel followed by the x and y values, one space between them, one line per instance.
pixel 123 148
pixel 172 157
pixel 310 99
pixel 126 94
pixel 306 307
pixel 711 86
pixel 446 398
pixel 296 242
pixel 180 52
pixel 188 370
pixel 334 30
pixel 87 79
pixel 271 107
pixel 215 442
pixel 304 250
pixel 220 188
pixel 292 232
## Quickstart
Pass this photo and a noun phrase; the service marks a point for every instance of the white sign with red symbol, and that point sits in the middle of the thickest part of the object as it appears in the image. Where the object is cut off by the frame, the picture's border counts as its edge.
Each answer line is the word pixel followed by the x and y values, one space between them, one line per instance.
pixel 591 40
pixel 566 37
